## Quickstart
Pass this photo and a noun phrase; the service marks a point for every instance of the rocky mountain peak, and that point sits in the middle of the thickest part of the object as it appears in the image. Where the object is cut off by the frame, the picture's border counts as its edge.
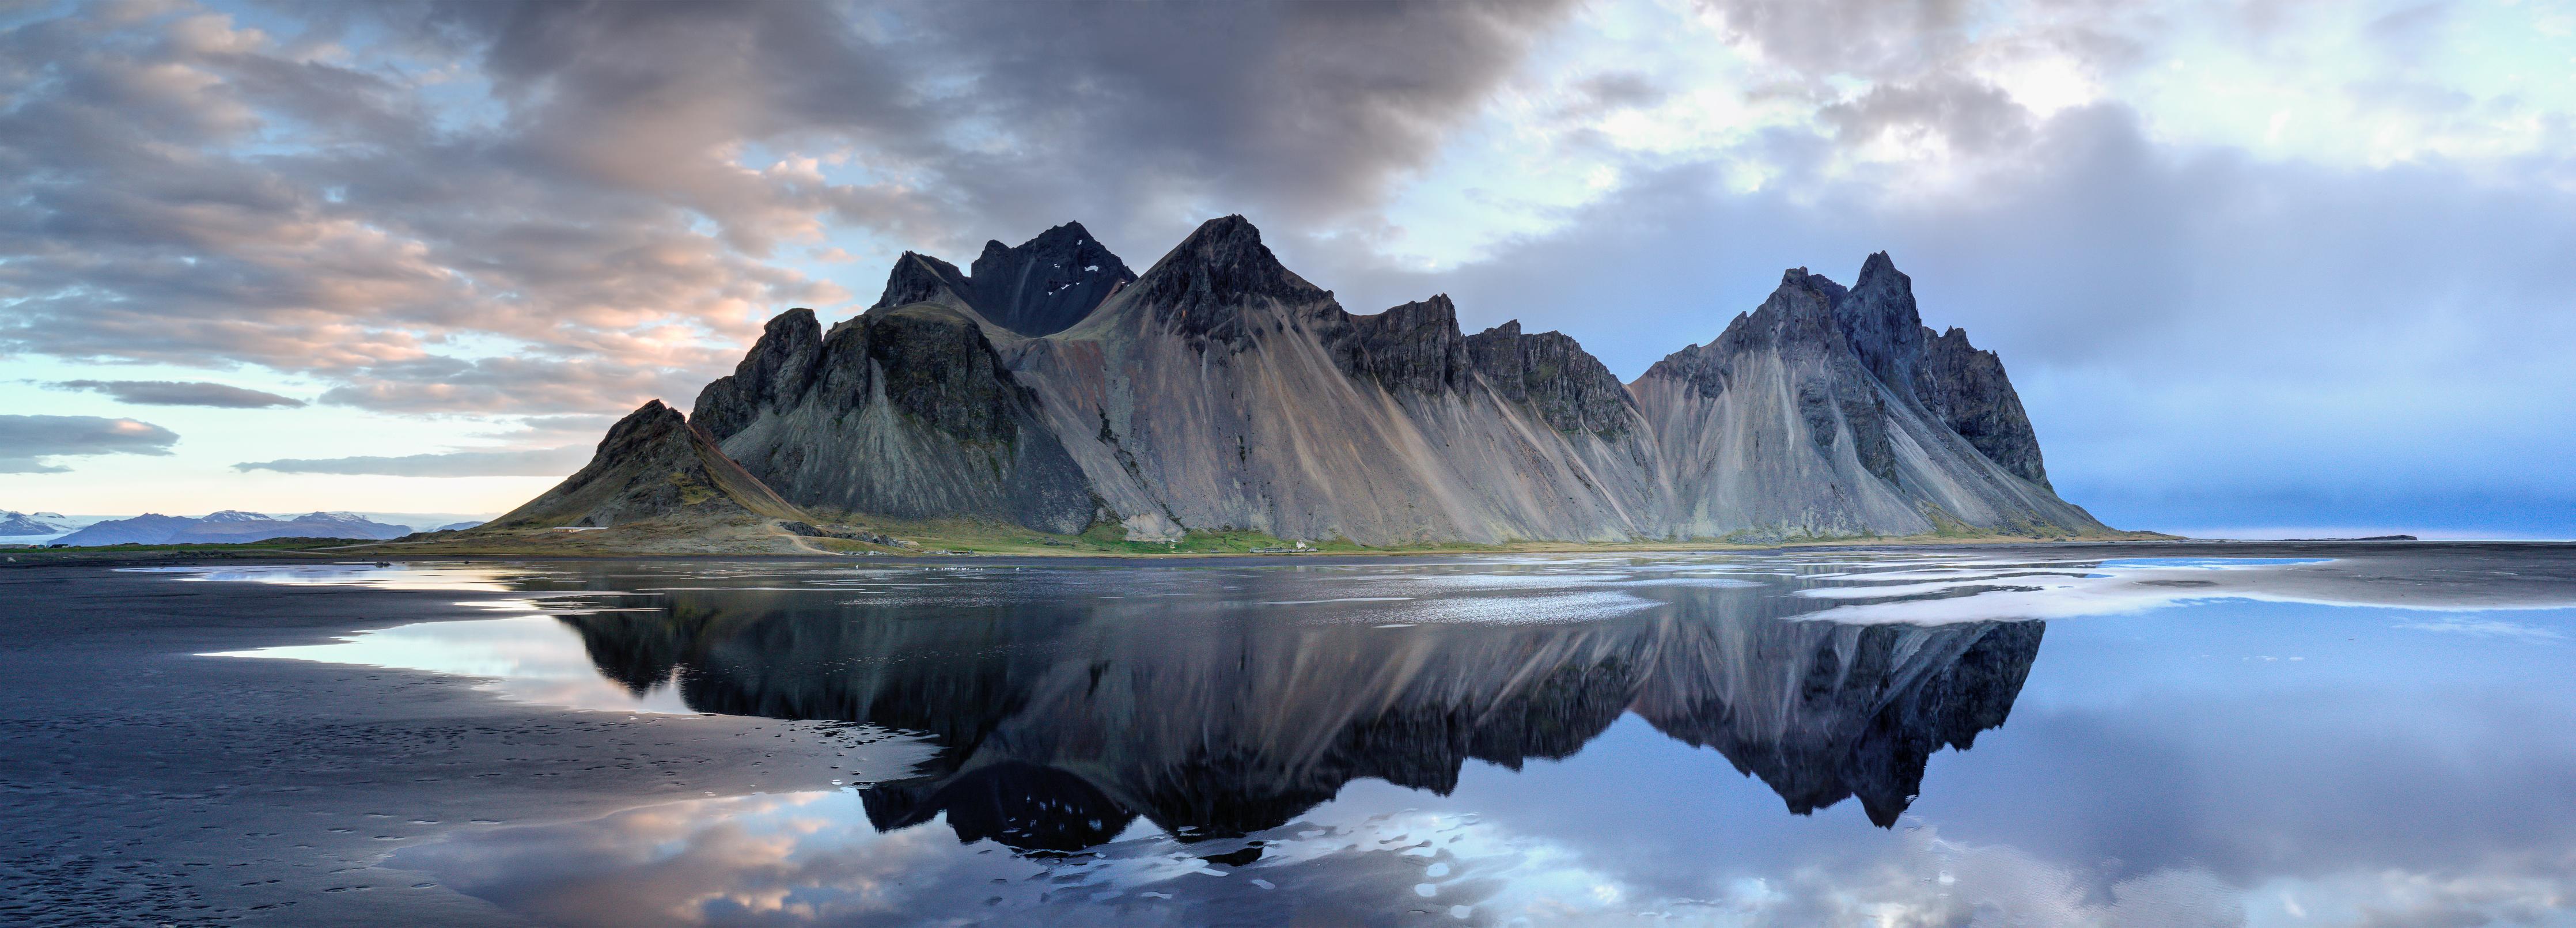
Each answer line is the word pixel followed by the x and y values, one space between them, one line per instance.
pixel 1039 287
pixel 1200 286
pixel 1878 317
pixel 1047 283
pixel 920 278
pixel 1878 265
pixel 650 423
pixel 780 365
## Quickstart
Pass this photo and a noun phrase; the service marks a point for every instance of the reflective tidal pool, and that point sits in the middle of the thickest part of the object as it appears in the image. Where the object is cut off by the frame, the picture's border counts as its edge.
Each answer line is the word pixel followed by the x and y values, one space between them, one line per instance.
pixel 1850 738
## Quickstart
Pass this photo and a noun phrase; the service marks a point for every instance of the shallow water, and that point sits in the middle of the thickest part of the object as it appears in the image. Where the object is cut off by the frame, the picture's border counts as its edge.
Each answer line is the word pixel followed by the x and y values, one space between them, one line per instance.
pixel 1810 739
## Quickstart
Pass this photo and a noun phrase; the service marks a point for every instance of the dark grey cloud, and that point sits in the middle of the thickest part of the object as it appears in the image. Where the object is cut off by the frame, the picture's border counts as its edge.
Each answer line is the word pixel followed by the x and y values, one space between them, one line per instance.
pixel 533 462
pixel 180 189
pixel 1301 111
pixel 26 441
pixel 181 393
pixel 594 181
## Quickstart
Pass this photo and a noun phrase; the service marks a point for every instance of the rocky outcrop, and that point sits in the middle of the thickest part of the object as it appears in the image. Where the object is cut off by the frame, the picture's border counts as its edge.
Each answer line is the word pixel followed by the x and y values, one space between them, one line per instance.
pixel 1047 283
pixel 652 465
pixel 1054 389
pixel 1566 386
pixel 919 278
pixel 905 412
pixel 1040 287
pixel 1966 389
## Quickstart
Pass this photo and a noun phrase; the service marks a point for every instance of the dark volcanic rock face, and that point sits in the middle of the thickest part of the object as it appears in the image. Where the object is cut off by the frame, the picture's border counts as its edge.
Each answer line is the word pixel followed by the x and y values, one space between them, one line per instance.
pixel 1551 374
pixel 781 364
pixel 941 371
pixel 1040 287
pixel 1966 387
pixel 907 413
pixel 1199 289
pixel 1048 283
pixel 1795 321
pixel 1415 347
pixel 920 278
pixel 1878 318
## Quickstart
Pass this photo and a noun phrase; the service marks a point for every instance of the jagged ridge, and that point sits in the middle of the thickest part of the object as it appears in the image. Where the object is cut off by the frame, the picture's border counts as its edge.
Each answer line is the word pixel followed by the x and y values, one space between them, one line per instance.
pixel 1219 390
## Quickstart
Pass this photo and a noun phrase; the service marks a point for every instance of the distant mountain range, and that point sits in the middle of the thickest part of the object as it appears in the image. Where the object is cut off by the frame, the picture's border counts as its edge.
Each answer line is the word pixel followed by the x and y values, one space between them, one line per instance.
pixel 1055 389
pixel 230 526
pixel 18 524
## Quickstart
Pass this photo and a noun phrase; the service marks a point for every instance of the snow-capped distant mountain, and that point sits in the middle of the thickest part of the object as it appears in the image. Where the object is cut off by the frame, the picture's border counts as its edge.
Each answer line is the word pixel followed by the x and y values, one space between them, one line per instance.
pixel 18 524
pixel 230 526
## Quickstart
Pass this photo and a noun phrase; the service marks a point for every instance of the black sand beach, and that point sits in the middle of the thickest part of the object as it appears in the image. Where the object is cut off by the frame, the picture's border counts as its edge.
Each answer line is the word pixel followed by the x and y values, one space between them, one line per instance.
pixel 147 786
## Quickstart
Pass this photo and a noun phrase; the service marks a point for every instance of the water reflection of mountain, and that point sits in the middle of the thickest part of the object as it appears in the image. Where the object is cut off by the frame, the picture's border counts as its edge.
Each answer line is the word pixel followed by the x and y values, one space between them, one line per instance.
pixel 1060 726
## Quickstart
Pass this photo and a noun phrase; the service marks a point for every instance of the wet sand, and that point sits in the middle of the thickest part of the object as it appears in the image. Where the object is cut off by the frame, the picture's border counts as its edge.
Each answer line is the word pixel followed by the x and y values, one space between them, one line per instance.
pixel 143 785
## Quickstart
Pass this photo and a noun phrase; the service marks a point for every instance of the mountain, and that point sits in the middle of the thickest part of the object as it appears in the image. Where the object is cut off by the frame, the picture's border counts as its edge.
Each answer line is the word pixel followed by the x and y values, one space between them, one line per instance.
pixel 1830 410
pixel 1052 388
pixel 652 465
pixel 1223 391
pixel 15 523
pixel 907 412
pixel 230 526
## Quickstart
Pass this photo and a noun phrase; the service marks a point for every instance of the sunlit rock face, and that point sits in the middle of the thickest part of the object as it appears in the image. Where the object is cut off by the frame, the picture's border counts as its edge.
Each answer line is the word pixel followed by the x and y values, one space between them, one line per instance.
pixel 1053 388
pixel 1056 731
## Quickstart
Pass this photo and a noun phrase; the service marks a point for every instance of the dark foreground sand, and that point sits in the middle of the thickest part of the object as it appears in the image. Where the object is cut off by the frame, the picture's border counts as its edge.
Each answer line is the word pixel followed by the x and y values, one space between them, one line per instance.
pixel 141 785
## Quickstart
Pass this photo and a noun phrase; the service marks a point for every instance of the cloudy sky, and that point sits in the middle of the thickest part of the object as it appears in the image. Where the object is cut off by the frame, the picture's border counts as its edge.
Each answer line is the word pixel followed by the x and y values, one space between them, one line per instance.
pixel 2259 267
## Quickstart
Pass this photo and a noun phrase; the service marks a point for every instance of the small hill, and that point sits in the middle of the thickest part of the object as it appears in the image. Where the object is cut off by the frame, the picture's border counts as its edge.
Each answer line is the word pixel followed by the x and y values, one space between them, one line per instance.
pixel 652 465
